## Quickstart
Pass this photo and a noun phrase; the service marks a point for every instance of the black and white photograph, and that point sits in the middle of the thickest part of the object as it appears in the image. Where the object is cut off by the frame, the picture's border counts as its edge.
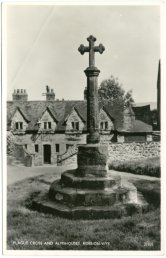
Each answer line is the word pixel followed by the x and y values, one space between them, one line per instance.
pixel 83 128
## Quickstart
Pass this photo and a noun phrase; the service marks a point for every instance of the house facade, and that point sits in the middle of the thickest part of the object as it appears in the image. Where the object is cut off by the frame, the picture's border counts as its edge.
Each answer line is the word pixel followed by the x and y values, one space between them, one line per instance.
pixel 49 129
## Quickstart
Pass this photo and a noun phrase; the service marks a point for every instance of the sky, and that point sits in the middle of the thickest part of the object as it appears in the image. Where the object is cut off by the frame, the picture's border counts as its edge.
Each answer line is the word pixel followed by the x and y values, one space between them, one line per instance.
pixel 43 41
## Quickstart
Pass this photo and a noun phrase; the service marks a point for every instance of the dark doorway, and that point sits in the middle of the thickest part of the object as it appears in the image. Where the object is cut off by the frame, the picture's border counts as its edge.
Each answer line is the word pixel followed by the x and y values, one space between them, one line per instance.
pixel 47 153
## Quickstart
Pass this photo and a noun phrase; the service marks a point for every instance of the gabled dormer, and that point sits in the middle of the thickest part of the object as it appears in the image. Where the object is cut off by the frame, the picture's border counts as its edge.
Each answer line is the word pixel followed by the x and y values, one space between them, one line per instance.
pixel 47 122
pixel 19 121
pixel 128 118
pixel 106 121
pixel 74 122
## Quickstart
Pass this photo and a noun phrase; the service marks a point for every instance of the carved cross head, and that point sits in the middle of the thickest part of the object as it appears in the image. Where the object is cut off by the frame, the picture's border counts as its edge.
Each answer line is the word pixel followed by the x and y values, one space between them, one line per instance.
pixel 91 49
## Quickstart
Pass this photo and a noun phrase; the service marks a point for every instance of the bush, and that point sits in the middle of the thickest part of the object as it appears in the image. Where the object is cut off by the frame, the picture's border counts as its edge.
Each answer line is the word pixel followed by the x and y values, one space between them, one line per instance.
pixel 149 167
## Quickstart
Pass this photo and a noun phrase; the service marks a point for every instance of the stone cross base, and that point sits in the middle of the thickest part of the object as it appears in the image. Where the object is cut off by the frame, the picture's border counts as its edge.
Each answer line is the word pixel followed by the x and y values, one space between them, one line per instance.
pixel 90 197
pixel 90 191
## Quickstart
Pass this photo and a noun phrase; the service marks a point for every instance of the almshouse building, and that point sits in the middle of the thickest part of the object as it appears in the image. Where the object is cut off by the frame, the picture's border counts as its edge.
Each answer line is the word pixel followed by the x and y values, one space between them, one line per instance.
pixel 47 130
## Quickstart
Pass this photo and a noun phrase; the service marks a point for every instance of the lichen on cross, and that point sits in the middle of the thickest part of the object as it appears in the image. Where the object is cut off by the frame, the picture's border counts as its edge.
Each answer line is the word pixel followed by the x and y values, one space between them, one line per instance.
pixel 91 49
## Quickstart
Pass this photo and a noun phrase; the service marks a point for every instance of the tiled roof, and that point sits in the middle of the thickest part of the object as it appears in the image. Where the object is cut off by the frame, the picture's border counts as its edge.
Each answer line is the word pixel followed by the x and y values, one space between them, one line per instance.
pixel 33 111
pixel 139 126
pixel 143 113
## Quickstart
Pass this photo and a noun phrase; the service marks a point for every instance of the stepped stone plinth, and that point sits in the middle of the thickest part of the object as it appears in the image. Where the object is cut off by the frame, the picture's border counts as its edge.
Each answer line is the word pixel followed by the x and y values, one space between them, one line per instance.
pixel 90 192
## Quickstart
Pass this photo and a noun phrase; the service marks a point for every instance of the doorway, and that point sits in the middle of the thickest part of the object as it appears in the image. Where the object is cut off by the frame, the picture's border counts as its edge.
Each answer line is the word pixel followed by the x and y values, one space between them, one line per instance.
pixel 47 153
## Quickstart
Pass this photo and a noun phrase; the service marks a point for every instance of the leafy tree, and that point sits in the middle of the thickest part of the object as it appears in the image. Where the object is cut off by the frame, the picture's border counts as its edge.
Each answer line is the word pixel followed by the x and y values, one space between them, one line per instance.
pixel 154 118
pixel 10 143
pixel 111 90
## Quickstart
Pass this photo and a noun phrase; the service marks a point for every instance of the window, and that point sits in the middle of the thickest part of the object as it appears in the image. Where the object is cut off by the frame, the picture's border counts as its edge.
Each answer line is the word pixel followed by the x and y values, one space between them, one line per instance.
pixel 19 125
pixel 75 126
pixel 36 148
pixel 25 146
pixel 104 125
pixel 101 125
pixel 72 124
pixel 47 125
pixel 57 147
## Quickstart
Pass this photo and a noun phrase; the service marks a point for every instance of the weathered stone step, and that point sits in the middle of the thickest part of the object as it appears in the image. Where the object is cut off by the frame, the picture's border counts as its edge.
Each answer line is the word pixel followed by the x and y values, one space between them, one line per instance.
pixel 89 212
pixel 70 179
pixel 141 199
pixel 77 197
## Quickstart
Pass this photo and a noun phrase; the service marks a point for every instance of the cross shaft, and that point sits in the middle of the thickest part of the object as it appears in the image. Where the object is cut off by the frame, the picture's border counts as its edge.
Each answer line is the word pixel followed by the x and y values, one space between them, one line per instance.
pixel 93 136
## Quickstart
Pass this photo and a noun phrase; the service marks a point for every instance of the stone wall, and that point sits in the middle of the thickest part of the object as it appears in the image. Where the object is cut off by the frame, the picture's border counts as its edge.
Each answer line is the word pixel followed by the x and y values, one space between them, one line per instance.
pixel 22 155
pixel 70 161
pixel 127 151
pixel 133 151
pixel 11 139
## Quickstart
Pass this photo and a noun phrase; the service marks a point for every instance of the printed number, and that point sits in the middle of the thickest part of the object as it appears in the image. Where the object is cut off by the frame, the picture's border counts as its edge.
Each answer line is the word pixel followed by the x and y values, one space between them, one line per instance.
pixel 148 243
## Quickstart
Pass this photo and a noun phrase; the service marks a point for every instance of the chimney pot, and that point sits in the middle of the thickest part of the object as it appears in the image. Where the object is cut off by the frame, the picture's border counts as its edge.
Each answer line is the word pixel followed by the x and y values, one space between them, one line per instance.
pixel 50 95
pixel 20 95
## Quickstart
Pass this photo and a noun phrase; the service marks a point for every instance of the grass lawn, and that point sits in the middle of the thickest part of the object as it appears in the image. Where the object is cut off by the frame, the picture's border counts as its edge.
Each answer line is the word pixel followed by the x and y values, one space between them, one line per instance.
pixel 149 167
pixel 31 230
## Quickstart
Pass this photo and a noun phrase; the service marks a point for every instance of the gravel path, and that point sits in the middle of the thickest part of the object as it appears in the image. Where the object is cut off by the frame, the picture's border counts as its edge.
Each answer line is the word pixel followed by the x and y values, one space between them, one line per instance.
pixel 16 172
pixel 126 175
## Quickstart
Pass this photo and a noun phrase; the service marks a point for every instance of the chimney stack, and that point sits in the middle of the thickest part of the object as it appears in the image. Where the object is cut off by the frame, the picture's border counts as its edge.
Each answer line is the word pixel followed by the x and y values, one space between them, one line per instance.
pixel 50 95
pixel 20 95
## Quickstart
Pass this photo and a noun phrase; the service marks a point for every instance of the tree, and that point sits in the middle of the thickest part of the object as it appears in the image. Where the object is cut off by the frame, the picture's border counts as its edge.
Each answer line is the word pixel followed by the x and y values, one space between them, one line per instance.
pixel 111 90
pixel 10 143
pixel 154 118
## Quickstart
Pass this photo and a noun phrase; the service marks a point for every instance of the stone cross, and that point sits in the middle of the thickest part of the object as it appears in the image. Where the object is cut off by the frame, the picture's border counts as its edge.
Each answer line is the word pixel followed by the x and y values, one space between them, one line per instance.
pixel 91 49
pixel 92 73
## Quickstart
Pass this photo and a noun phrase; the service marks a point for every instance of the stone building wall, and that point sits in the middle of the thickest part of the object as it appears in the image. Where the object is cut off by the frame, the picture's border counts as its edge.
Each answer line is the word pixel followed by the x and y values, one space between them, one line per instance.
pixel 117 151
pixel 74 117
pixel 47 118
pixel 105 138
pixel 28 141
pixel 103 117
pixel 18 118
pixel 136 138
